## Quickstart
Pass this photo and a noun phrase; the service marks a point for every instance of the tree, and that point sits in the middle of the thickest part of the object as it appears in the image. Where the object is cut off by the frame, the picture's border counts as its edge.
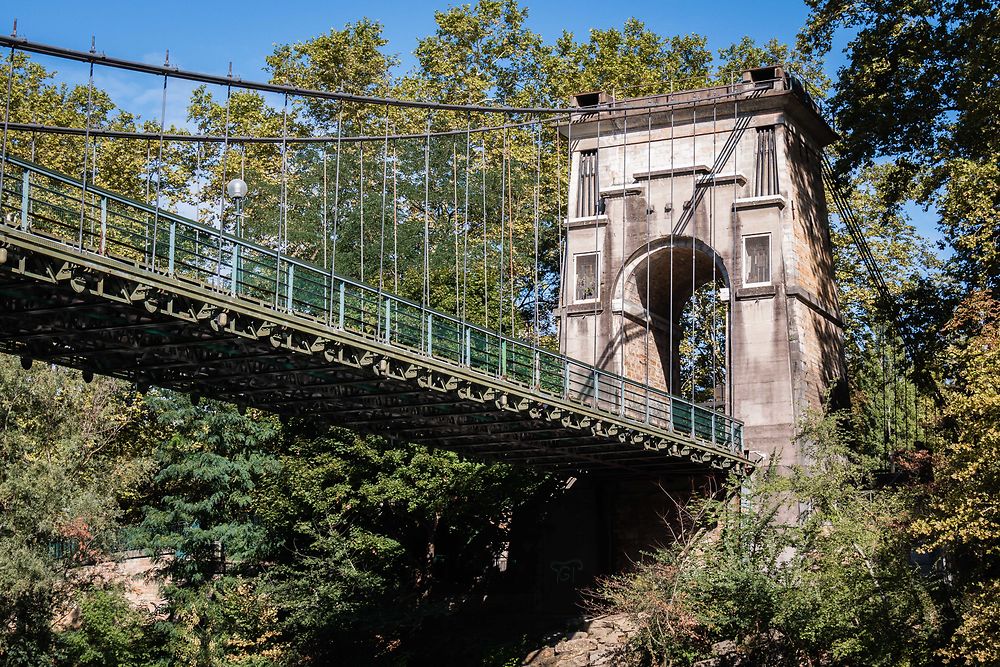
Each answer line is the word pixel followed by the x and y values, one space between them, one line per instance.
pixel 746 54
pixel 917 96
pixel 109 633
pixel 629 62
pixel 837 588
pixel 964 497
pixel 918 91
pixel 128 167
pixel 885 391
pixel 68 452
pixel 373 540
pixel 480 53
pixel 201 524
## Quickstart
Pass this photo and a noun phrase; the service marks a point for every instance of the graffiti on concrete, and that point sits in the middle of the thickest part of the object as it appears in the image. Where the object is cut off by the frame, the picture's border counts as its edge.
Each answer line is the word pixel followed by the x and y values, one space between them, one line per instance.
pixel 566 570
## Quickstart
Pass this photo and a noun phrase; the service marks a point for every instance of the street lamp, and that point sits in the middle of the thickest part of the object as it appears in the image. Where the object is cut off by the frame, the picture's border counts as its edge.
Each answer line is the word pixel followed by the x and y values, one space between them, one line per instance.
pixel 237 190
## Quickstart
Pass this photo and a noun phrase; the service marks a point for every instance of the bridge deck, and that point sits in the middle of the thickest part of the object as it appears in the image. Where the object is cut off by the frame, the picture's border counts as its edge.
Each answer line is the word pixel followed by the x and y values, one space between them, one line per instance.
pixel 94 281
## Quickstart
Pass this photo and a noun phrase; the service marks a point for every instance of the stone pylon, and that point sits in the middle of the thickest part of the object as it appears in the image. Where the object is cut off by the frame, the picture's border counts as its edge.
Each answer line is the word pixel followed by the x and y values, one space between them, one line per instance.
pixel 711 194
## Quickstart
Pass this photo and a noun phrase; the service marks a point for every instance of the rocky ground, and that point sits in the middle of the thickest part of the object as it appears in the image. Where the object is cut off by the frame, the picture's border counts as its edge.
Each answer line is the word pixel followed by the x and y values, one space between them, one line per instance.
pixel 598 641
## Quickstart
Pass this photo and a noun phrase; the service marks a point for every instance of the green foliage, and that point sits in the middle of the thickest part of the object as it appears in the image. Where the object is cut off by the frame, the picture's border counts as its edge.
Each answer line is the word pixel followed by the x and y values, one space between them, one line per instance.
pixel 702 345
pixel 371 538
pixel 917 99
pixel 109 632
pixel 282 546
pixel 885 395
pixel 201 513
pixel 630 62
pixel 746 54
pixel 127 167
pixel 964 496
pixel 479 52
pixel 918 92
pixel 68 452
pixel 836 588
pixel 225 621
pixel 970 215
pixel 201 524
pixel 349 60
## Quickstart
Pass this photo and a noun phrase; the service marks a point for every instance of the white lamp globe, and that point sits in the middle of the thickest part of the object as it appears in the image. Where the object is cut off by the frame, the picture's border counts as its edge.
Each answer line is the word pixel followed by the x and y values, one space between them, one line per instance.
pixel 236 188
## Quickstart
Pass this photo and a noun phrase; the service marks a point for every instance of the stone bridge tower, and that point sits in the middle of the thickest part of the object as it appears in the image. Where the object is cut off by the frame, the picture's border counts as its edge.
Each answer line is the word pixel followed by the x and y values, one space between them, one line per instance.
pixel 713 194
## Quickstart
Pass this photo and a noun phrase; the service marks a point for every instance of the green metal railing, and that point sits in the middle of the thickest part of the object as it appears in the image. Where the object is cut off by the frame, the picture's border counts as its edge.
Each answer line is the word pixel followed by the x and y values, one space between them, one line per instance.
pixel 94 220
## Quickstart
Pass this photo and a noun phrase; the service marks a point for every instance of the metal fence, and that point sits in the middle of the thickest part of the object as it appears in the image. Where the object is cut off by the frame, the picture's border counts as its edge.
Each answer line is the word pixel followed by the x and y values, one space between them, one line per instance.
pixel 94 220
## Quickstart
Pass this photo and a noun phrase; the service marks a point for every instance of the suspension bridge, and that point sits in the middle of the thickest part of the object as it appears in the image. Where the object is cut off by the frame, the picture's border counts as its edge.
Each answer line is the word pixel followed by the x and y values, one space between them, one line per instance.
pixel 143 298
pixel 714 189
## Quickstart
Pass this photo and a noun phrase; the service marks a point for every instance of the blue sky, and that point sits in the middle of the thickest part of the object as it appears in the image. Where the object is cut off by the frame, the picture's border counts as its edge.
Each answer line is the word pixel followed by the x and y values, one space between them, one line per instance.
pixel 206 36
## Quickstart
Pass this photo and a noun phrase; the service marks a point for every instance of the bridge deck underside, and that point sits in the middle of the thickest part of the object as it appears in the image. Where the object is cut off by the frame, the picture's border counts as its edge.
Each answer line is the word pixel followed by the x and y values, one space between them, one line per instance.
pixel 43 316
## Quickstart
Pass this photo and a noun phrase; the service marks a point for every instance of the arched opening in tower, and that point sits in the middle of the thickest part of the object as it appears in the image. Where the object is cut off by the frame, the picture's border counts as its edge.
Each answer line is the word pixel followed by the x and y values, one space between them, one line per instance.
pixel 675 316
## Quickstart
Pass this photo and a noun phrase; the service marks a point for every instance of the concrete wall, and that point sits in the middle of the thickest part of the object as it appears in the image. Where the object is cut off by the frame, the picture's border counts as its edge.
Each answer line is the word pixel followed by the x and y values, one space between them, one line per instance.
pixel 605 525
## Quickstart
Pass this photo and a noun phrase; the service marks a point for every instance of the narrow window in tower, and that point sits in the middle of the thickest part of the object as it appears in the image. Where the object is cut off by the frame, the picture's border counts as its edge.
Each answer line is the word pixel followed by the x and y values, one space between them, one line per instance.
pixel 587 195
pixel 766 174
pixel 585 270
pixel 757 259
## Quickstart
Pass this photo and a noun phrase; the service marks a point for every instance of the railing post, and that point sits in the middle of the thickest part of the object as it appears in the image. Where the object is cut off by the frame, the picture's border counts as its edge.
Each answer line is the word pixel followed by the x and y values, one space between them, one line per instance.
pixel 234 270
pixel 597 387
pixel 537 370
pixel 171 247
pixel 388 321
pixel 290 303
pixel 430 335
pixel 621 400
pixel 565 366
pixel 468 346
pixel 25 198
pixel 340 306
pixel 104 225
pixel 145 241
pixel 277 276
pixel 502 370
pixel 328 296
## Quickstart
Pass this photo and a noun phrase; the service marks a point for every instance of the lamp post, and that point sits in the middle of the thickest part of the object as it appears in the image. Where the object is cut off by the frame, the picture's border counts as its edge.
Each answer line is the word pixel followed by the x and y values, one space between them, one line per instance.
pixel 237 191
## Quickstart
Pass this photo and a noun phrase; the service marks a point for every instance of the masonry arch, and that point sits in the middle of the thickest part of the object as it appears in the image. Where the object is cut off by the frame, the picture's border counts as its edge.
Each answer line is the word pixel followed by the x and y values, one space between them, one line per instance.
pixel 674 318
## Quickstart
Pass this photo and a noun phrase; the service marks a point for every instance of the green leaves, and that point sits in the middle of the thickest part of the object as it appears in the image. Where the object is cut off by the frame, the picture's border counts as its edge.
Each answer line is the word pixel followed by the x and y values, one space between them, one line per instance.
pixel 629 62
pixel 201 511
pixel 837 587
pixel 371 538
pixel 964 498
pixel 478 52
pixel 68 452
pixel 970 217
pixel 919 91
pixel 110 632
